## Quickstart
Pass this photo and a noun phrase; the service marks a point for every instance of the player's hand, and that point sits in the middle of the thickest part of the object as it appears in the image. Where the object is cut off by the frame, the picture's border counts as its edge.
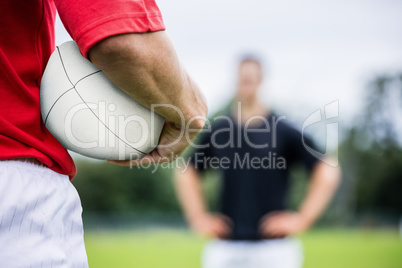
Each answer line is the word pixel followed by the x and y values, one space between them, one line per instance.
pixel 212 225
pixel 172 144
pixel 282 224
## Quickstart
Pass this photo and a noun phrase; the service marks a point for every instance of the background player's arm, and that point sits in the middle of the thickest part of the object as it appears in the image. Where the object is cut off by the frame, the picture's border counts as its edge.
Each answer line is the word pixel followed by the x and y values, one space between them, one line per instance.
pixel 147 68
pixel 323 184
pixel 191 198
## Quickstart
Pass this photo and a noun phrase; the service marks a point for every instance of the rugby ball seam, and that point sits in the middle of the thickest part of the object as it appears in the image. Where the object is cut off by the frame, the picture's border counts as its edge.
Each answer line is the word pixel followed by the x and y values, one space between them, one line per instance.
pixel 74 88
pixel 51 108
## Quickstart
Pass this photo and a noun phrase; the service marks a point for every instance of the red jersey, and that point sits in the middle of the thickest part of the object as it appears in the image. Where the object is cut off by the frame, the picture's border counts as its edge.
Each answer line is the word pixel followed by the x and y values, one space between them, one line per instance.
pixel 26 43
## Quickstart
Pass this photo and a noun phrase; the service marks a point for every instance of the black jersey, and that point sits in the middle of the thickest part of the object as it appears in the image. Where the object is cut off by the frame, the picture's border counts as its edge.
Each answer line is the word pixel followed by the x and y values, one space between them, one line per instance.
pixel 254 162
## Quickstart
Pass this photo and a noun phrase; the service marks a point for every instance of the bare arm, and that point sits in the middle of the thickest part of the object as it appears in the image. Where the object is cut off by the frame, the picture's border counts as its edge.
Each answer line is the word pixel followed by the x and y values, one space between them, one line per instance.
pixel 146 67
pixel 324 181
pixel 191 198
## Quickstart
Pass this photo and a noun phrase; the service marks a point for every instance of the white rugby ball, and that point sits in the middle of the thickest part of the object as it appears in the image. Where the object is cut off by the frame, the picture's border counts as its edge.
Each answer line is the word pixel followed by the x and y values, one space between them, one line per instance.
pixel 89 115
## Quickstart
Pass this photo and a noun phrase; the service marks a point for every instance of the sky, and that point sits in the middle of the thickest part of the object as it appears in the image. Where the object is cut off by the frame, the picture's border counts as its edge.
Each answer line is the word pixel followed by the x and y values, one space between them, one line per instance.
pixel 315 52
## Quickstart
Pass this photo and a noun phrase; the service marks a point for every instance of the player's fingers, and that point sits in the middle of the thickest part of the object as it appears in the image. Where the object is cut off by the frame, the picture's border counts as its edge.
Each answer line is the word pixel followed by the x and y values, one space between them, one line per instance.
pixel 226 220
pixel 273 227
pixel 277 220
pixel 269 217
pixel 222 233
pixel 269 228
pixel 120 162
pixel 211 231
pixel 130 163
pixel 222 228
pixel 134 162
pixel 271 222
pixel 274 232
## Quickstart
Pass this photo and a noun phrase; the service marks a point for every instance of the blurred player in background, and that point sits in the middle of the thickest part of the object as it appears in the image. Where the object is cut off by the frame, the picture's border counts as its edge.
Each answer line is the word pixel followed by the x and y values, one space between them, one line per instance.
pixel 254 149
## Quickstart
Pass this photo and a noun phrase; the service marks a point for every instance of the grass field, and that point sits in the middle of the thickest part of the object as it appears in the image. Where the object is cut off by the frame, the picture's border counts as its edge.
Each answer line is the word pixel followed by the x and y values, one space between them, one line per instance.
pixel 180 249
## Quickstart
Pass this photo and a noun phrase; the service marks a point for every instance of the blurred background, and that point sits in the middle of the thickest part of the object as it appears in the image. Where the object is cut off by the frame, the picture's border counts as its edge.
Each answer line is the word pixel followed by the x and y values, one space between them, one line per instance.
pixel 315 53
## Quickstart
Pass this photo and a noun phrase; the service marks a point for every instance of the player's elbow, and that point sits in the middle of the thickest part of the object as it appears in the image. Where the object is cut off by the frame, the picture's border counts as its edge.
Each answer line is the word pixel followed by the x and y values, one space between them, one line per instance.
pixel 120 51
pixel 329 172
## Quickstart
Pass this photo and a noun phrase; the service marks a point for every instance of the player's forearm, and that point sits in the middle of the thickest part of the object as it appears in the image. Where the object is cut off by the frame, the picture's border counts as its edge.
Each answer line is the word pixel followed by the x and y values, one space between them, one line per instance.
pixel 324 182
pixel 147 68
pixel 189 192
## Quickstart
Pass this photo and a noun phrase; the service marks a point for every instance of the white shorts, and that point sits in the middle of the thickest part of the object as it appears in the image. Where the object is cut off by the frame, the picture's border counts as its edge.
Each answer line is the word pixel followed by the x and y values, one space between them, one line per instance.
pixel 275 253
pixel 40 218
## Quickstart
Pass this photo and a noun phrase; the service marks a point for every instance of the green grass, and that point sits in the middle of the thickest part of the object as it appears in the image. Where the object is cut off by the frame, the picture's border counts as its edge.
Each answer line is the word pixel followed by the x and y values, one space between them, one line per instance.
pixel 352 248
pixel 180 249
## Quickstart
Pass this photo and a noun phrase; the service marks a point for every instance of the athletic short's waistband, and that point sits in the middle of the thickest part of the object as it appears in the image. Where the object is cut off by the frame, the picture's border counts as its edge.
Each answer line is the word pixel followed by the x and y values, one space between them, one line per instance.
pixel 27 160
pixel 29 164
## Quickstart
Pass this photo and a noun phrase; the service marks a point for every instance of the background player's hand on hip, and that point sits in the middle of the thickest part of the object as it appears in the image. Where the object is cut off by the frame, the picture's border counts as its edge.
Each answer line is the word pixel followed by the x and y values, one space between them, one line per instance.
pixel 212 225
pixel 282 223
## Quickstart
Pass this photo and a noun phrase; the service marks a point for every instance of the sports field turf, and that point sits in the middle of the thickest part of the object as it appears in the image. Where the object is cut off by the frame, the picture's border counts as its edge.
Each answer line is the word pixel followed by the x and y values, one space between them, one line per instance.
pixel 180 249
